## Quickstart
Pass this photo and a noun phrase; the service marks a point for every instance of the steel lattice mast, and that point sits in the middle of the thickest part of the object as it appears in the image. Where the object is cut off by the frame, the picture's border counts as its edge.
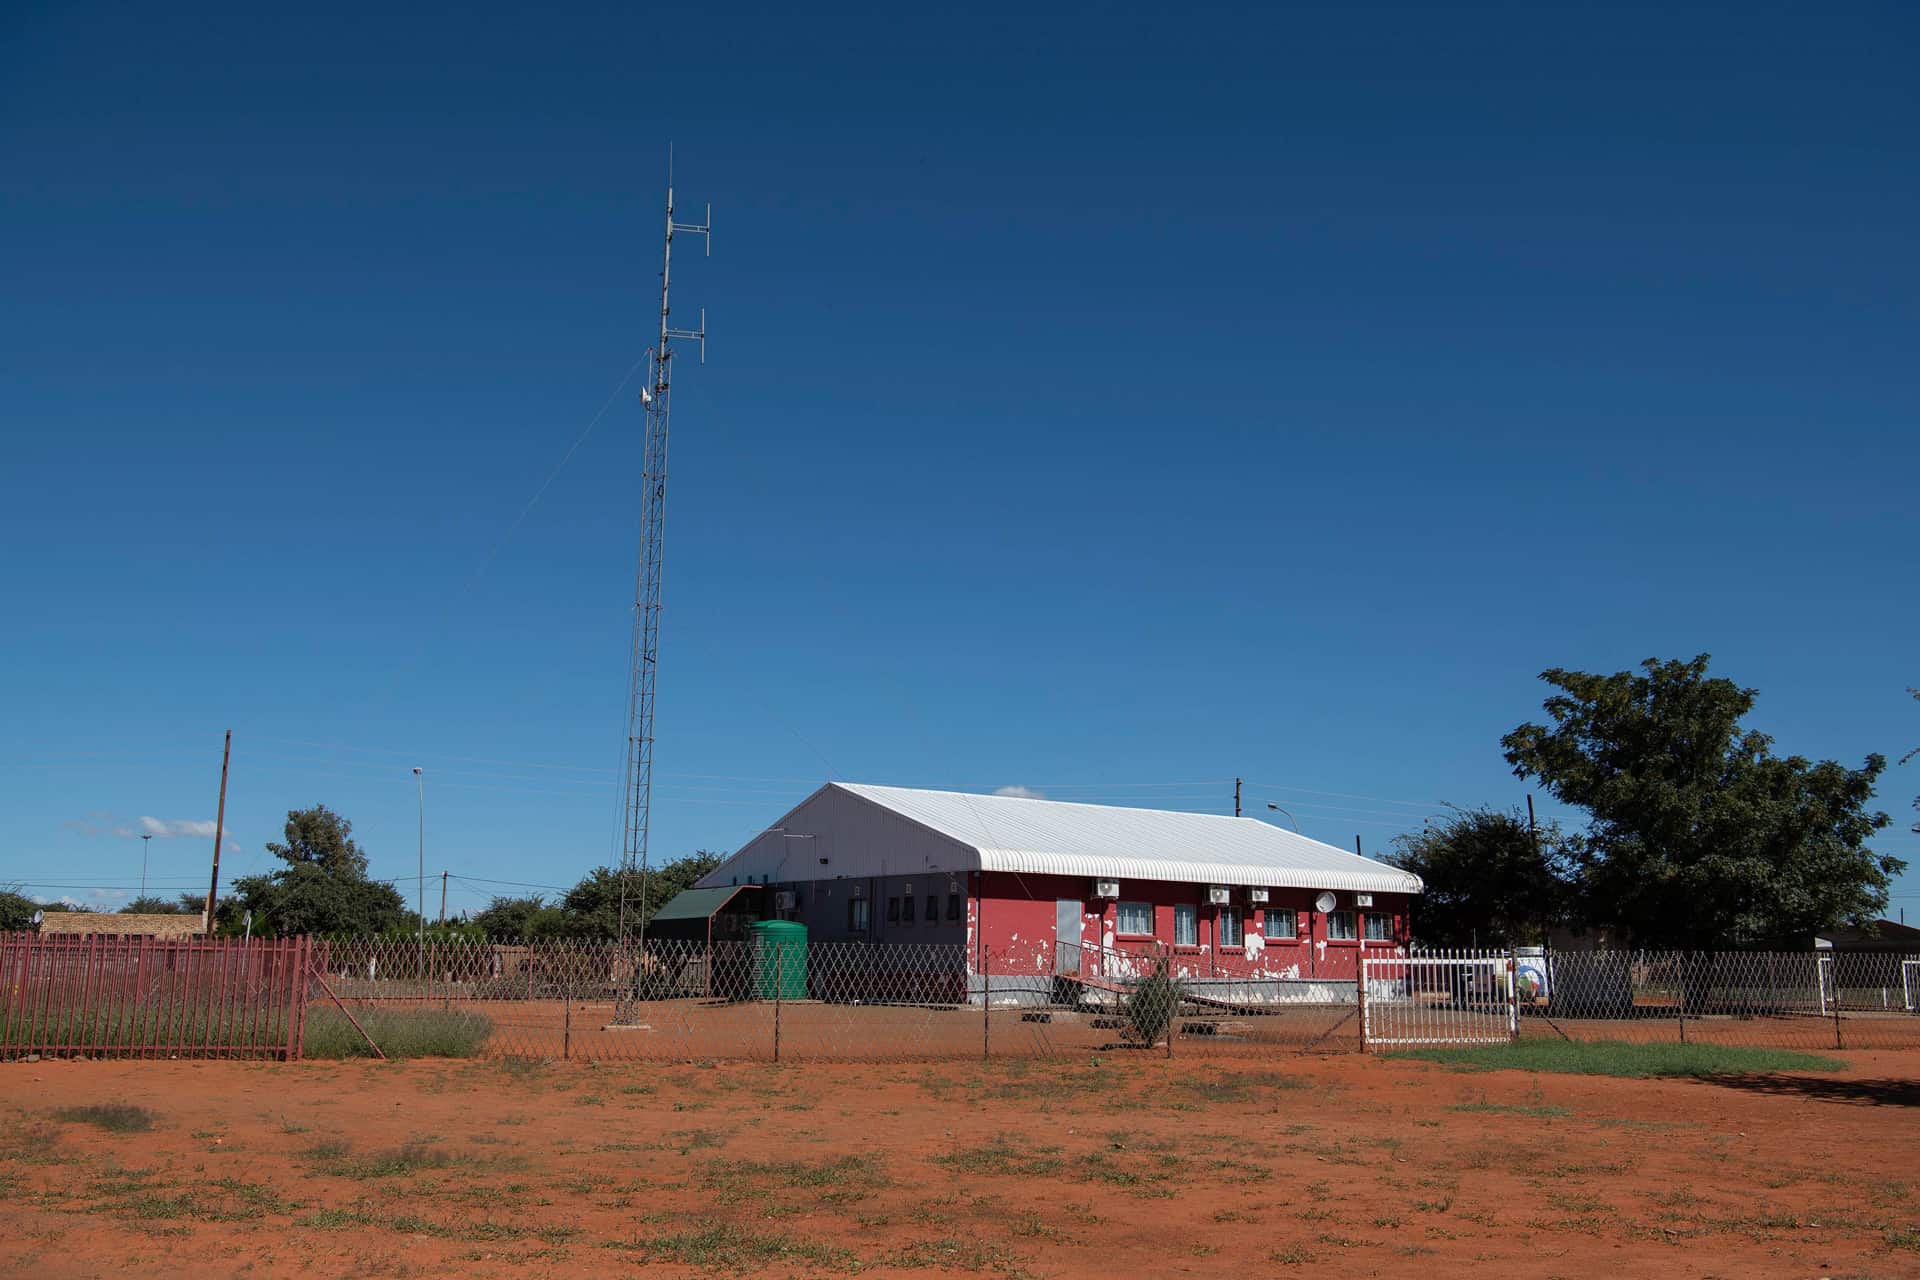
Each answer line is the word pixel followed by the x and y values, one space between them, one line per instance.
pixel 646 605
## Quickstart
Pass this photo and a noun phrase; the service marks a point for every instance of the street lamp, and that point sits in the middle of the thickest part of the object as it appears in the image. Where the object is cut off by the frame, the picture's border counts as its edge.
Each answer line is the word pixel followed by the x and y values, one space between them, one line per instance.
pixel 145 844
pixel 1290 818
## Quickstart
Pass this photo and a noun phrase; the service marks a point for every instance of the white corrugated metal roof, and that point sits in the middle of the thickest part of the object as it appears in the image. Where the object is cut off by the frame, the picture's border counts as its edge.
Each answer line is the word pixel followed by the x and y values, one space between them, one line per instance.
pixel 1052 837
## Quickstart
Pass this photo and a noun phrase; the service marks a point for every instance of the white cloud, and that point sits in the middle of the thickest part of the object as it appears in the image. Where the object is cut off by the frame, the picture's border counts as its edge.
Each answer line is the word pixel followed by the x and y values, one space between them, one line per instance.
pixel 1019 793
pixel 174 828
pixel 100 824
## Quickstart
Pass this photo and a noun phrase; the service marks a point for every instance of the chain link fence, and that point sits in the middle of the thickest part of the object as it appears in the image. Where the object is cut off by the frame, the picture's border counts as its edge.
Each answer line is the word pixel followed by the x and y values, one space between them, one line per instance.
pixel 780 997
pixel 791 1001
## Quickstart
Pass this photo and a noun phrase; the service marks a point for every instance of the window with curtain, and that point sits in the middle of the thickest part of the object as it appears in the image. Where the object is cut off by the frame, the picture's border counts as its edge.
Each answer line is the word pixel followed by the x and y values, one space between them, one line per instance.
pixel 1186 925
pixel 1340 926
pixel 1379 926
pixel 1230 932
pixel 1280 924
pixel 1134 918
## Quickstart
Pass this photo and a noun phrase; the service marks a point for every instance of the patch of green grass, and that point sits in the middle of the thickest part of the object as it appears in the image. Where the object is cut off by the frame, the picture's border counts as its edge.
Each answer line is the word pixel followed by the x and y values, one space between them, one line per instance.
pixel 1510 1109
pixel 725 1246
pixel 114 1117
pixel 339 1160
pixel 848 1177
pixel 400 1033
pixel 1619 1058
pixel 1003 1159
pixel 954 1253
pixel 1239 1088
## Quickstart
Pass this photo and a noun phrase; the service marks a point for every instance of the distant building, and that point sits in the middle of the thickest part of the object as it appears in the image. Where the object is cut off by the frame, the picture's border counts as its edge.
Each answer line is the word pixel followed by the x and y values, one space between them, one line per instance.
pixel 117 924
pixel 1038 890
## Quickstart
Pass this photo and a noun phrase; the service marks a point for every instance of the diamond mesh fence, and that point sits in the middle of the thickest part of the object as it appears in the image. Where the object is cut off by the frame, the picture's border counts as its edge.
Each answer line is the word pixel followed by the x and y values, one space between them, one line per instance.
pixel 785 999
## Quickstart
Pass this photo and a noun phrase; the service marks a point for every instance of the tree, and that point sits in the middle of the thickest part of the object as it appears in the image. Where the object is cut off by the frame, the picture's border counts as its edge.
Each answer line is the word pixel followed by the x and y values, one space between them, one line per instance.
pixel 1700 836
pixel 322 838
pixel 159 907
pixel 521 918
pixel 1488 881
pixel 323 888
pixel 16 910
pixel 593 905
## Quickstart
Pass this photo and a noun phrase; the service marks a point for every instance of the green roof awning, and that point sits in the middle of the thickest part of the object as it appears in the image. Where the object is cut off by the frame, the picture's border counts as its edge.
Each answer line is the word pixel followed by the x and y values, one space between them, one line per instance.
pixel 699 904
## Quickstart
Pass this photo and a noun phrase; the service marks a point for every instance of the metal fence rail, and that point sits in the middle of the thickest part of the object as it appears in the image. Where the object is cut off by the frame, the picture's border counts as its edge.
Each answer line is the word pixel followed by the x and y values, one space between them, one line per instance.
pixel 129 997
pixel 1779 999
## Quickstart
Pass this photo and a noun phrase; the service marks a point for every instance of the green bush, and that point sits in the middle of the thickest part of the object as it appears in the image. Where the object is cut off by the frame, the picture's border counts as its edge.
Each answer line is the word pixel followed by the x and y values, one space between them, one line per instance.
pixel 1152 1002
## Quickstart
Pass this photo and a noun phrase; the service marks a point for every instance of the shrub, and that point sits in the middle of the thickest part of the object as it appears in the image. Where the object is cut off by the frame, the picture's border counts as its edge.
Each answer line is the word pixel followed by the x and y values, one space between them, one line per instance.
pixel 1152 1002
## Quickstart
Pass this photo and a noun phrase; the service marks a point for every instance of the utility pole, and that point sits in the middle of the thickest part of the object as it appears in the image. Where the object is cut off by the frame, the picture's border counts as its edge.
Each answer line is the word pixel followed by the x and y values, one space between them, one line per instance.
pixel 1236 797
pixel 146 842
pixel 1356 846
pixel 443 895
pixel 645 658
pixel 219 829
pixel 420 882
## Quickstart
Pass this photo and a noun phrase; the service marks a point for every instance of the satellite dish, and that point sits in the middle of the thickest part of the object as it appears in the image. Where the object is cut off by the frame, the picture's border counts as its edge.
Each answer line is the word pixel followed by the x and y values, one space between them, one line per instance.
pixel 38 916
pixel 1325 903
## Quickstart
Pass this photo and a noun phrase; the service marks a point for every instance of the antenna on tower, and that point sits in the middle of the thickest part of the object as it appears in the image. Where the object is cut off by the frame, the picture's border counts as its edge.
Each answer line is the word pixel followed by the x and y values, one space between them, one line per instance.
pixel 656 397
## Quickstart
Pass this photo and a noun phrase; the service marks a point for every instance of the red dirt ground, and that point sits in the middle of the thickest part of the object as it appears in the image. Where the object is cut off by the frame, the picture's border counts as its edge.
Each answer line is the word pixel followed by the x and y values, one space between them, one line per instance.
pixel 1111 1165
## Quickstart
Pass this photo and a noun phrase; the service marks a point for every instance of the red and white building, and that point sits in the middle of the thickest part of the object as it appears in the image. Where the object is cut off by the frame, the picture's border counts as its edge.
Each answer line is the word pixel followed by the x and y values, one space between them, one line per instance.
pixel 1032 892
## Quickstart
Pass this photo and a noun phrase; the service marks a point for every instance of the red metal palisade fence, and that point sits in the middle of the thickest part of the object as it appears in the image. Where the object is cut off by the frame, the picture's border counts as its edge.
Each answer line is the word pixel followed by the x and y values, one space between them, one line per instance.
pixel 130 997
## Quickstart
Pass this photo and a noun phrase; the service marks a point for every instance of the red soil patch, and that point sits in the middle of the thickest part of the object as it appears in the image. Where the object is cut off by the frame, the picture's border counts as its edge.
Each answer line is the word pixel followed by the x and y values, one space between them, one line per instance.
pixel 1112 1165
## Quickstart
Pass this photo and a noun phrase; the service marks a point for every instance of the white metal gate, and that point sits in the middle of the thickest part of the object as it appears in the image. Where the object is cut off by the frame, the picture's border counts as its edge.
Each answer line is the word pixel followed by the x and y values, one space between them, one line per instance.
pixel 1910 985
pixel 1437 999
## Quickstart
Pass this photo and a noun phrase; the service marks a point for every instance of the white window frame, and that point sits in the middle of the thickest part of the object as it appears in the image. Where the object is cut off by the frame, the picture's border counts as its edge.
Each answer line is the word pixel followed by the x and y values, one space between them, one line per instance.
pixel 861 910
pixel 1385 919
pixel 1186 924
pixel 1221 920
pixel 1286 918
pixel 1353 927
pixel 1122 924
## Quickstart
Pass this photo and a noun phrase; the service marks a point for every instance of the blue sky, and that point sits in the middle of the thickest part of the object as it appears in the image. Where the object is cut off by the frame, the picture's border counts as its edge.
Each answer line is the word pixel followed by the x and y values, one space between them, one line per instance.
pixel 1108 402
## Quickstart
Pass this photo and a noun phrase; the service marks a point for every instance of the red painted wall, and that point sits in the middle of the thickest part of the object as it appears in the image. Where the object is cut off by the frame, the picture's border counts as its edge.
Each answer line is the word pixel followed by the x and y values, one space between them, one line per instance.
pixel 1011 918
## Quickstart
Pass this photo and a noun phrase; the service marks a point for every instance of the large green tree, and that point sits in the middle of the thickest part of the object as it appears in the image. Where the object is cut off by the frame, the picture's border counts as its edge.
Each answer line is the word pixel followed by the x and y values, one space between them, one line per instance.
pixel 1489 882
pixel 1700 835
pixel 323 889
pixel 592 906
pixel 520 918
pixel 152 906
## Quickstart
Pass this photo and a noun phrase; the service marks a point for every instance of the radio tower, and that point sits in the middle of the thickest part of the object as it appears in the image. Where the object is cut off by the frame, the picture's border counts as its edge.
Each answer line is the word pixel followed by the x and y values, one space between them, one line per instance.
pixel 657 397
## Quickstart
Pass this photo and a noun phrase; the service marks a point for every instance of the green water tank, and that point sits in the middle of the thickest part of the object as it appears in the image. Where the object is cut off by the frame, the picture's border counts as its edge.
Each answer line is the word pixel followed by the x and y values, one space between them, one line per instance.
pixel 778 959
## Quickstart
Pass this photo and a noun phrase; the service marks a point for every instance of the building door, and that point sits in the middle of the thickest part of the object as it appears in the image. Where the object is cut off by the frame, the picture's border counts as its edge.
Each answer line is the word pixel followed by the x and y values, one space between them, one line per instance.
pixel 1066 937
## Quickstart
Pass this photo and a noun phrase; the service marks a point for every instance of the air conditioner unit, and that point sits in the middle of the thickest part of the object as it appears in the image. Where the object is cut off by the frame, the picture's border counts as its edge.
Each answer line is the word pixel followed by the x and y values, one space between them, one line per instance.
pixel 1362 899
pixel 1256 895
pixel 783 900
pixel 1106 888
pixel 1219 895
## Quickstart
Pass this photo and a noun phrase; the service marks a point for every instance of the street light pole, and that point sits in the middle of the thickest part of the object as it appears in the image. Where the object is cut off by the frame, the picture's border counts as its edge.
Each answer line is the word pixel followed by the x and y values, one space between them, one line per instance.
pixel 145 844
pixel 420 885
pixel 1290 818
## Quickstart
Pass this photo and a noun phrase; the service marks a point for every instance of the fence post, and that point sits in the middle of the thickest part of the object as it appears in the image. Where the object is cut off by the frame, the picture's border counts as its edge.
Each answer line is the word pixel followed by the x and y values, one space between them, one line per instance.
pixel 1680 986
pixel 1513 997
pixel 986 1004
pixel 1164 964
pixel 566 1022
pixel 1360 998
pixel 1833 968
pixel 778 981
